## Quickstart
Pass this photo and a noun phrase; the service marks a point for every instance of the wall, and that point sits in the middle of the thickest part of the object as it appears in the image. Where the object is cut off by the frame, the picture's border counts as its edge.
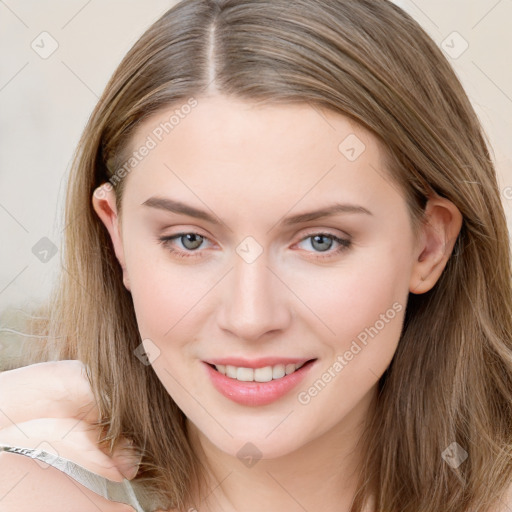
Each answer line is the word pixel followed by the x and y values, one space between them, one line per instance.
pixel 45 100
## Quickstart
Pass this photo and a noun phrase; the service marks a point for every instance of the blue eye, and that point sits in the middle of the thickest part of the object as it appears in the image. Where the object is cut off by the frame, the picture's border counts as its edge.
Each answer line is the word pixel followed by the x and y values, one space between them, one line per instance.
pixel 318 240
pixel 192 241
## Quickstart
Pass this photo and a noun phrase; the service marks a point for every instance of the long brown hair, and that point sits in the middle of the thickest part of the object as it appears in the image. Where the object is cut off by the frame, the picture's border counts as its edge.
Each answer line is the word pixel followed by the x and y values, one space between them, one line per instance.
pixel 450 380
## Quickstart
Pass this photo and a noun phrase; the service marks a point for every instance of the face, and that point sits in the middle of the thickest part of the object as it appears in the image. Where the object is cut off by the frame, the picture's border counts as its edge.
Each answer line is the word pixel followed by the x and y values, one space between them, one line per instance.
pixel 257 277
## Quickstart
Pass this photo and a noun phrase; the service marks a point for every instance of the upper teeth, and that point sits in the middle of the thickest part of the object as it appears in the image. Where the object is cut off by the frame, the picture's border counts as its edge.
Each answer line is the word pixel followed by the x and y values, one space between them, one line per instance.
pixel 265 374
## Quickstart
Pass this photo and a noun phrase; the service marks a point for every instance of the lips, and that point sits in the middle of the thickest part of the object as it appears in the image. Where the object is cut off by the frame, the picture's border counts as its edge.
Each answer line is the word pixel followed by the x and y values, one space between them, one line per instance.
pixel 257 393
pixel 261 362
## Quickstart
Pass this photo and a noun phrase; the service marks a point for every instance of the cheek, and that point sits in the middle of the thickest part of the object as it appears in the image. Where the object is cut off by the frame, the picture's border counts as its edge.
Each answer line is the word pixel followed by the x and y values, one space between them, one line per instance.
pixel 163 300
pixel 376 315
pixel 344 300
pixel 167 295
pixel 363 309
pixel 163 292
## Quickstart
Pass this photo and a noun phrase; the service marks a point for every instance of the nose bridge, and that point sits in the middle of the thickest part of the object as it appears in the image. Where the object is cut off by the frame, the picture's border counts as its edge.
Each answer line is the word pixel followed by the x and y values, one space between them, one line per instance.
pixel 253 302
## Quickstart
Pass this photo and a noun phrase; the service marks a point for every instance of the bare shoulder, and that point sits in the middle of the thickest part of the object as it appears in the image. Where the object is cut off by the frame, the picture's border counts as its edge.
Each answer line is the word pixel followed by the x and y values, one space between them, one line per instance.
pixel 29 486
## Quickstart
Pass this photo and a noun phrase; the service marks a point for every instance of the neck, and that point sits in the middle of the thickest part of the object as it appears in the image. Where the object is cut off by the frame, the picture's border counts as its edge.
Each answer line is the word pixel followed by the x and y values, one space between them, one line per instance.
pixel 321 475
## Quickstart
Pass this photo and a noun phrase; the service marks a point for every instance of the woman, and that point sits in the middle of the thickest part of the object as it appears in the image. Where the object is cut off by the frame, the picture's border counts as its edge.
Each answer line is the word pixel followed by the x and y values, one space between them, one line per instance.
pixel 253 366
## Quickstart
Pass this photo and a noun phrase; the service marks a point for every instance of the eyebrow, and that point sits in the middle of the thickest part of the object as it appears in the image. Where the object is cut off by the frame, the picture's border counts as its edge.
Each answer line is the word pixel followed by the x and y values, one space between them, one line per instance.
pixel 171 205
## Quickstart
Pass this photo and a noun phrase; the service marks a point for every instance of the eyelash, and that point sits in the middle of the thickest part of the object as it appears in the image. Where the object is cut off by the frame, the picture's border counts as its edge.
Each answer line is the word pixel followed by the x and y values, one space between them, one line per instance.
pixel 166 241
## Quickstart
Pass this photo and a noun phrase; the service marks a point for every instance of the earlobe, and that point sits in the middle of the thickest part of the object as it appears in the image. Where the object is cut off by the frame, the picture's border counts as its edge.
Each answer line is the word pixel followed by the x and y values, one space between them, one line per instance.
pixel 439 232
pixel 104 204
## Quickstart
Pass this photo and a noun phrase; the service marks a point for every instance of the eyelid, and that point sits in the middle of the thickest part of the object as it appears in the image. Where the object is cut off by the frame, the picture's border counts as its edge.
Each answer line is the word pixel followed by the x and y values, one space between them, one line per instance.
pixel 326 231
pixel 176 236
pixel 192 230
pixel 344 243
pixel 309 232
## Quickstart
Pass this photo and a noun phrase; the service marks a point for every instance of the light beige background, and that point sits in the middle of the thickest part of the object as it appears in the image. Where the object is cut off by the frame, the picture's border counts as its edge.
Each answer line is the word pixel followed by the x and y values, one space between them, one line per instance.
pixel 45 103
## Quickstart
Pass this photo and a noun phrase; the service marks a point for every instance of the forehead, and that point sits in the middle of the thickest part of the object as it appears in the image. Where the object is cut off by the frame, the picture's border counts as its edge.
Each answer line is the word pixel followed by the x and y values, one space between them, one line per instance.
pixel 223 147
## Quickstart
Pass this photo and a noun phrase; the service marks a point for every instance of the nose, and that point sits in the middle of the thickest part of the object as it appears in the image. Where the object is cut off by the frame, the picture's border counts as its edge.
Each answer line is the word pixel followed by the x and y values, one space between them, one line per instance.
pixel 254 300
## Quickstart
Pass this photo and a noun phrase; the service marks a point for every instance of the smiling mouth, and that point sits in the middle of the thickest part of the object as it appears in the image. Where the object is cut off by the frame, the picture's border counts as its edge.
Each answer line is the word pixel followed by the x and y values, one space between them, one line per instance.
pixel 264 374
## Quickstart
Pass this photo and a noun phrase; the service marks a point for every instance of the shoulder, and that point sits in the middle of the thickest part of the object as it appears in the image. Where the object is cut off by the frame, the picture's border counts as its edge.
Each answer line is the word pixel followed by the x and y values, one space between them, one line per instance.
pixel 31 485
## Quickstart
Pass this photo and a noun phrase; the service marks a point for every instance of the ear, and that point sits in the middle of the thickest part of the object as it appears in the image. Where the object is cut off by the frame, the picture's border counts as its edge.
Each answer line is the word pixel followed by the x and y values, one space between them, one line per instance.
pixel 104 204
pixel 438 234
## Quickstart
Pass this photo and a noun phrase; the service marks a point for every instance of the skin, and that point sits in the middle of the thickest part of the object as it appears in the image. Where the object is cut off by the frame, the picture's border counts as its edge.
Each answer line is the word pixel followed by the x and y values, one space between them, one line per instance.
pixel 250 166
